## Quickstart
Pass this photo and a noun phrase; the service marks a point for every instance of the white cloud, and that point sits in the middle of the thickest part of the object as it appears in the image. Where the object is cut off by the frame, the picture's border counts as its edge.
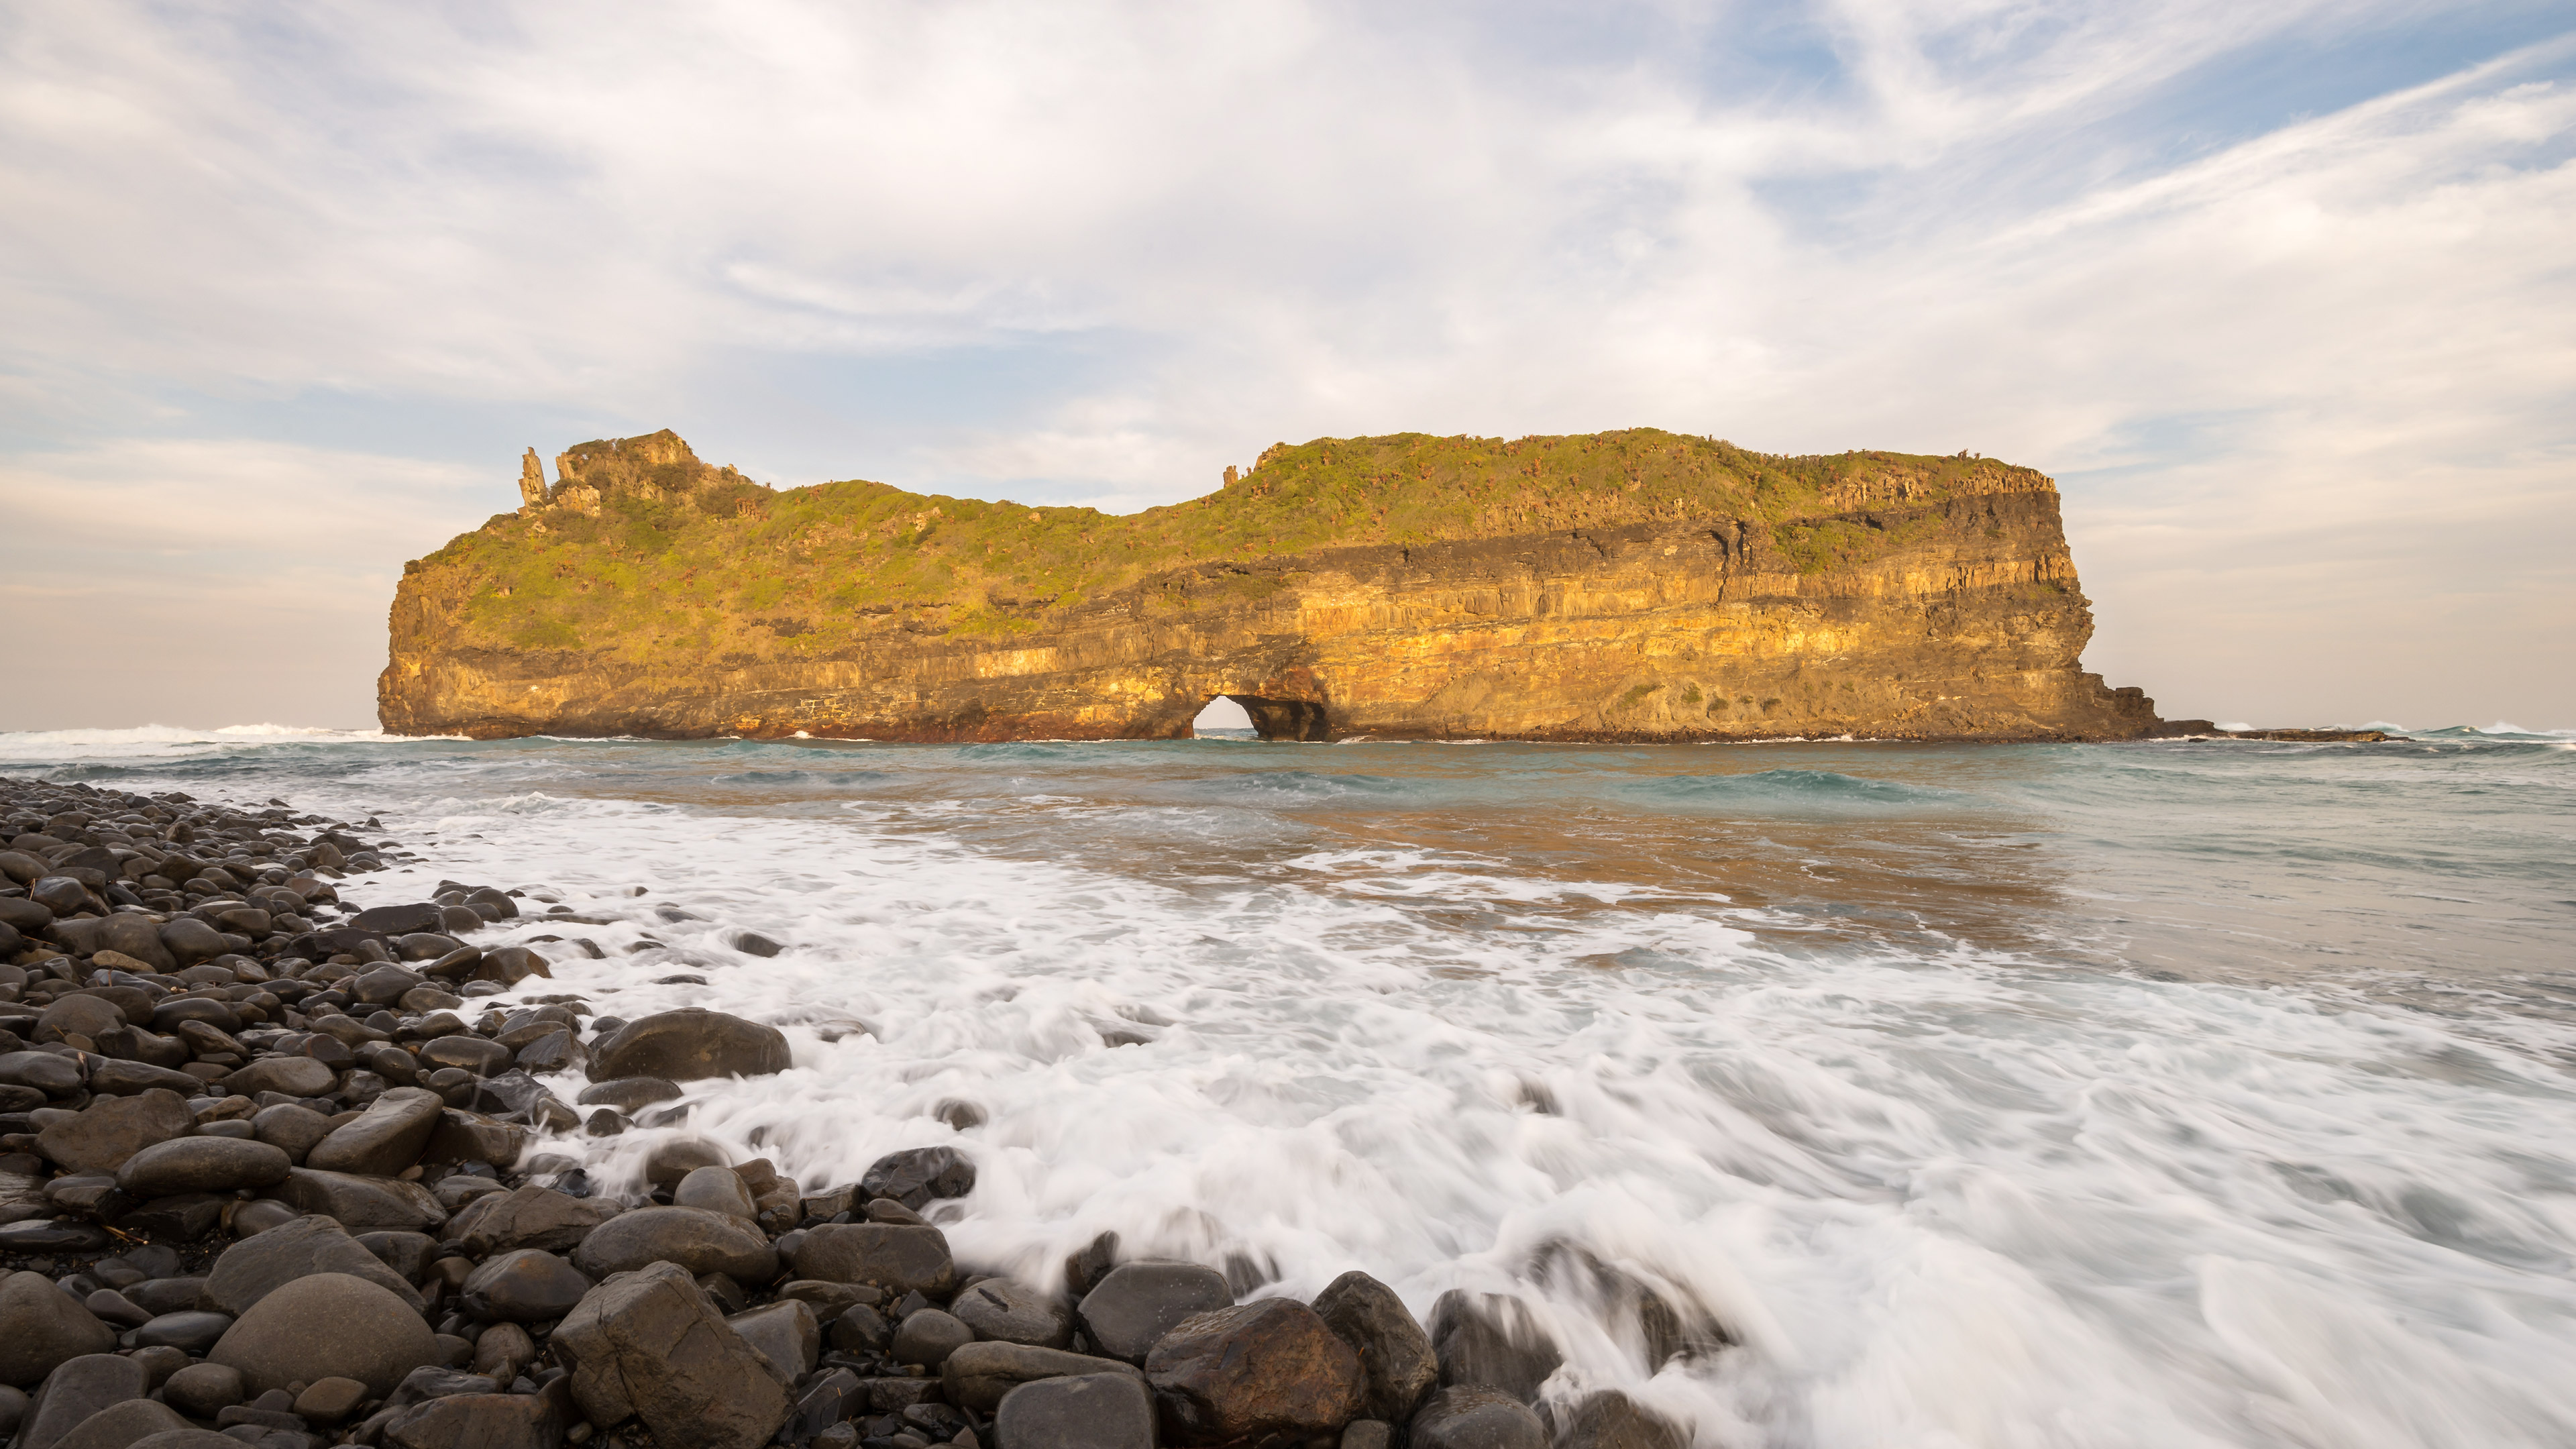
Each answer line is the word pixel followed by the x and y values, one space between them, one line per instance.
pixel 2323 362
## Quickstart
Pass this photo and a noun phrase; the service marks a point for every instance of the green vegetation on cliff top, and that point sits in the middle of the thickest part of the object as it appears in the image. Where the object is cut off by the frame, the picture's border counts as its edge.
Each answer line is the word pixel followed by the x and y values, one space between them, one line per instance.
pixel 683 560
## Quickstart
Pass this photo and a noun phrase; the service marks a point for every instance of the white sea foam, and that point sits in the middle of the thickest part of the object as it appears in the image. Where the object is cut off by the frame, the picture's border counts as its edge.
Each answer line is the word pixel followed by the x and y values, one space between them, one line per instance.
pixel 1941 1203
pixel 167 741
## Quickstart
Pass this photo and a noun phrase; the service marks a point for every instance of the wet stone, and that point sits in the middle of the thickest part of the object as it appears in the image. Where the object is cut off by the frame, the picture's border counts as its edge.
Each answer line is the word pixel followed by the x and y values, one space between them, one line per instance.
pixel 404 1254
pixel 928 1337
pixel 362 1204
pixel 650 1346
pixel 918 1176
pixel 1008 1312
pixel 891 1257
pixel 526 1286
pixel 715 1189
pixel 323 1325
pixel 1475 1417
pixel 1137 1303
pixel 1609 1419
pixel 501 1350
pixel 701 1242
pixel 1091 1411
pixel 185 1216
pixel 669 1162
pixel 1396 1359
pixel 329 1401
pixel 290 1129
pixel 784 1333
pixel 530 1217
pixel 1255 1370
pixel 193 1331
pixel 691 1045
pixel 201 1164
pixel 1490 1339
pixel 78 1388
pixel 118 1426
pixel 291 1076
pixel 259 1265
pixel 388 1137
pixel 467 1053
pixel 42 1327
pixel 204 1389
pixel 629 1094
pixel 978 1375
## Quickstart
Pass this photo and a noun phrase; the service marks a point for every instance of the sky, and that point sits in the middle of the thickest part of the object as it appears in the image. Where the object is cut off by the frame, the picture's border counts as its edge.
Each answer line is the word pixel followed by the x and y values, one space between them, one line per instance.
pixel 2282 294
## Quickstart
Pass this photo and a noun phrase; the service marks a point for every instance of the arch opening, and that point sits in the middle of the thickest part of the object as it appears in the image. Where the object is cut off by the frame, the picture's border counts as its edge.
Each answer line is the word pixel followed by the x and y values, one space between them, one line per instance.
pixel 1225 718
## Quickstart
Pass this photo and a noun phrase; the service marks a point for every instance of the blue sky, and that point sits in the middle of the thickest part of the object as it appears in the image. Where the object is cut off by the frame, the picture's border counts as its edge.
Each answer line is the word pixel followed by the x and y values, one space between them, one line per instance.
pixel 2281 294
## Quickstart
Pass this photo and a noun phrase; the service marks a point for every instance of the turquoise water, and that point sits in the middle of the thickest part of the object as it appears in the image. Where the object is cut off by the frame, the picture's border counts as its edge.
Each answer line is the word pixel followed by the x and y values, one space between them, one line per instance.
pixel 2163 1094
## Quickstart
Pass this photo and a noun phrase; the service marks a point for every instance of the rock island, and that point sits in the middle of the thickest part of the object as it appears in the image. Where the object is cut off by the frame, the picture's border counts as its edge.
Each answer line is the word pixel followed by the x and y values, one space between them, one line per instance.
pixel 1626 586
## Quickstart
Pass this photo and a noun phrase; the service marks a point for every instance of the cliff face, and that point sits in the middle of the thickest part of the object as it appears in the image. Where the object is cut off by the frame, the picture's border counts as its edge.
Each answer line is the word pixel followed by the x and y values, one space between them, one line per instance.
pixel 1625 586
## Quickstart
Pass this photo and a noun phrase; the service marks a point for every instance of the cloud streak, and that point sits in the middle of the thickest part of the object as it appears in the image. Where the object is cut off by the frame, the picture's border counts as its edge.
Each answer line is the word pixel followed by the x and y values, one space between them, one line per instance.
pixel 2286 358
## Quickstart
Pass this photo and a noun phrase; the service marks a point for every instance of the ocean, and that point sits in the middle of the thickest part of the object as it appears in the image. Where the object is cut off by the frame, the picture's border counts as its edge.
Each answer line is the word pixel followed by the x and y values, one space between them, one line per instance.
pixel 2164 1094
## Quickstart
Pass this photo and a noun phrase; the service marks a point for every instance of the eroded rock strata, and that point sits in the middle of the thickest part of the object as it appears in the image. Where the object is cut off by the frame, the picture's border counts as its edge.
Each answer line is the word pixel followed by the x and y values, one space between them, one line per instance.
pixel 279 1172
pixel 1621 586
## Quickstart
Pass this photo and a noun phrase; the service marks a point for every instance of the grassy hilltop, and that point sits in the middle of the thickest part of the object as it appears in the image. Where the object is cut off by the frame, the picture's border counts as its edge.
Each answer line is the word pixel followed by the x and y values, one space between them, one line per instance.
pixel 643 552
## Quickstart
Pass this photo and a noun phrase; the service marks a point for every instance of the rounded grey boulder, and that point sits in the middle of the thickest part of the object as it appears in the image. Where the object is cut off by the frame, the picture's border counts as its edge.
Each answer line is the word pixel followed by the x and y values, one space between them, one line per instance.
pixel 294 1076
pixel 716 1190
pixel 41 1326
pixel 205 1389
pixel 672 1161
pixel 201 1164
pixel 700 1241
pixel 290 1129
pixel 918 1175
pixel 928 1336
pixel 1140 1302
pixel 1085 1411
pixel 690 1045
pixel 190 1329
pixel 327 1325
pixel 120 1425
pixel 895 1257
pixel 1006 1312
pixel 527 1286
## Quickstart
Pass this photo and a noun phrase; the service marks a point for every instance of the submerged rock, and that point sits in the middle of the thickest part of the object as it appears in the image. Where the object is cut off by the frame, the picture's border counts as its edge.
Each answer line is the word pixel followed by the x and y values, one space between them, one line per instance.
pixel 1475 1417
pixel 1397 1365
pixel 918 1176
pixel 690 1045
pixel 1490 1340
pixel 1137 1303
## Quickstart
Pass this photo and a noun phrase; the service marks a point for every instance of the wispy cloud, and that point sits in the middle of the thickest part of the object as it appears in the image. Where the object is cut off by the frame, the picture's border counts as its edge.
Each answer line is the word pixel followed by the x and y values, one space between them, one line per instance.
pixel 2278 289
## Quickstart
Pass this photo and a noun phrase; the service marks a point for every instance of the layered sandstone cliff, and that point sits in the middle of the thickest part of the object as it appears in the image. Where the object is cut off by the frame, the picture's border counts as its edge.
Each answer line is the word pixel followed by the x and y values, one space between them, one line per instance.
pixel 1622 586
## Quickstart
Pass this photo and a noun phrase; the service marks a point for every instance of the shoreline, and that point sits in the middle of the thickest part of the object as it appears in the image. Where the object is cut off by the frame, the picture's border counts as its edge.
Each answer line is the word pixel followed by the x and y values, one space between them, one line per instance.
pixel 265 1167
